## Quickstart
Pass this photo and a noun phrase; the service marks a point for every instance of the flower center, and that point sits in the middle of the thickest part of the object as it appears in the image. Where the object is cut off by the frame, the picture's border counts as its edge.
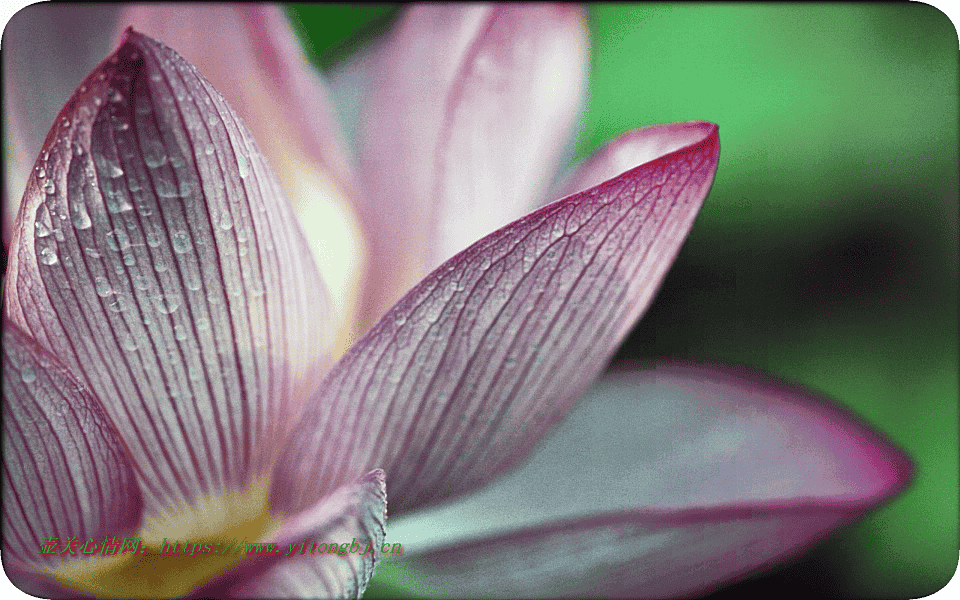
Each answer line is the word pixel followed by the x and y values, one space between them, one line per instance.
pixel 180 552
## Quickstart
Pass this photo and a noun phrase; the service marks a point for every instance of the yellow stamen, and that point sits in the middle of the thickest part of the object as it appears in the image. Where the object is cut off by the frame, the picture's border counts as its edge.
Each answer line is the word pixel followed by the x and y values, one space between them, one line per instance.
pixel 210 536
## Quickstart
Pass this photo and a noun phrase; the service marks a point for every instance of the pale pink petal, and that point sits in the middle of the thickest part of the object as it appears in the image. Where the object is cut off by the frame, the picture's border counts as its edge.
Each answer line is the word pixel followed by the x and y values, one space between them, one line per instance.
pixel 661 483
pixel 457 382
pixel 47 51
pixel 66 473
pixel 250 54
pixel 299 567
pixel 157 257
pixel 470 112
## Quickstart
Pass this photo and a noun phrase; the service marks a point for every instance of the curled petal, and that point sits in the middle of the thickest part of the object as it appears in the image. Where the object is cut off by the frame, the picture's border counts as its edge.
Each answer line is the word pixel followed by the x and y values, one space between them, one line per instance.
pixel 350 523
pixel 471 109
pixel 457 382
pixel 66 474
pixel 158 259
pixel 259 67
pixel 660 483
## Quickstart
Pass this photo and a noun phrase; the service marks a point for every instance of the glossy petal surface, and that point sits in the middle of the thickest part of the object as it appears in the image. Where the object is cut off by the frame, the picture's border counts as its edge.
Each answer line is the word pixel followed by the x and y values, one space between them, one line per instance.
pixel 65 471
pixel 158 259
pixel 661 483
pixel 354 513
pixel 457 382
pixel 469 114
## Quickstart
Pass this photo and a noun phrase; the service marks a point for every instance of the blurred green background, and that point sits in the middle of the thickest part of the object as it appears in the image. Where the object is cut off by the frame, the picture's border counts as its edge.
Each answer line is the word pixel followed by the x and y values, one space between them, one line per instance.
pixel 827 251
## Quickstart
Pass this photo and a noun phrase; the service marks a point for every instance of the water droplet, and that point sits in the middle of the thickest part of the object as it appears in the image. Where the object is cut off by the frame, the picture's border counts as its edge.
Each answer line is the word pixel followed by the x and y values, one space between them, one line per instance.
pixel 27 374
pixel 92 252
pixel 102 286
pixel 226 221
pixel 117 304
pixel 41 172
pixel 116 96
pixel 193 281
pixel 209 150
pixel 154 154
pixel 42 229
pixel 153 239
pixel 399 319
pixel 118 240
pixel 48 256
pixel 179 332
pixel 166 189
pixel 243 166
pixel 166 303
pixel 81 220
pixel 77 148
pixel 128 342
pixel 140 282
pixel 50 187
pixel 160 265
pixel 129 260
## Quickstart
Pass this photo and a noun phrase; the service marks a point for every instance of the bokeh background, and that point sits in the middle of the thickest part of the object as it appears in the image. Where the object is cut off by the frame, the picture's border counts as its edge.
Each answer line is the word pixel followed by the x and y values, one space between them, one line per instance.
pixel 827 251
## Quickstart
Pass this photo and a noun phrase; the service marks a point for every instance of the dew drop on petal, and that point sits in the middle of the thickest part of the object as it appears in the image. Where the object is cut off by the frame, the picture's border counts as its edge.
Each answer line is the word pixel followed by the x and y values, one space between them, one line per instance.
pixel 27 374
pixel 243 166
pixel 48 256
pixel 118 240
pixel 81 220
pixel 166 303
pixel 128 342
pixel 153 239
pixel 102 286
pixel 181 242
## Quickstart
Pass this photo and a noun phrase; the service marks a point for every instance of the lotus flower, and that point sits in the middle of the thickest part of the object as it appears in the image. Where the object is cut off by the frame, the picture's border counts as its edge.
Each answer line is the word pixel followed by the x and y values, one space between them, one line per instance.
pixel 171 346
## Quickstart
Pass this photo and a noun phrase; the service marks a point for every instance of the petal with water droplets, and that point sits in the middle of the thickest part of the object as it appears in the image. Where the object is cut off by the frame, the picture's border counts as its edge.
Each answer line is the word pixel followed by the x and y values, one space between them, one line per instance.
pixel 66 474
pixel 457 382
pixel 173 280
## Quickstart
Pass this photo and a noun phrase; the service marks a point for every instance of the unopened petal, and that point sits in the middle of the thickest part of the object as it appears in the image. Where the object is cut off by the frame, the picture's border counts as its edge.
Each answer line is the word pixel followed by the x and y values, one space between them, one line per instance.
pixel 470 112
pixel 457 382
pixel 158 259
pixel 328 551
pixel 661 483
pixel 251 55
pixel 66 474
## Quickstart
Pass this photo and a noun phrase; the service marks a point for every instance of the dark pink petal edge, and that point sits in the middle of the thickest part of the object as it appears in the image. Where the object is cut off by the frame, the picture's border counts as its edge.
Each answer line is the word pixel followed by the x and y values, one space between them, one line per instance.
pixel 458 381
pixel 801 469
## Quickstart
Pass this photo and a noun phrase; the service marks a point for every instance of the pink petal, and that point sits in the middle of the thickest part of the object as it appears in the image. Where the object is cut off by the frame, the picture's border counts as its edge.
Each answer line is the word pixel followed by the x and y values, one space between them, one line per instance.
pixel 466 127
pixel 65 471
pixel 457 382
pixel 258 65
pixel 355 513
pixel 158 259
pixel 627 151
pixel 47 50
pixel 660 483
